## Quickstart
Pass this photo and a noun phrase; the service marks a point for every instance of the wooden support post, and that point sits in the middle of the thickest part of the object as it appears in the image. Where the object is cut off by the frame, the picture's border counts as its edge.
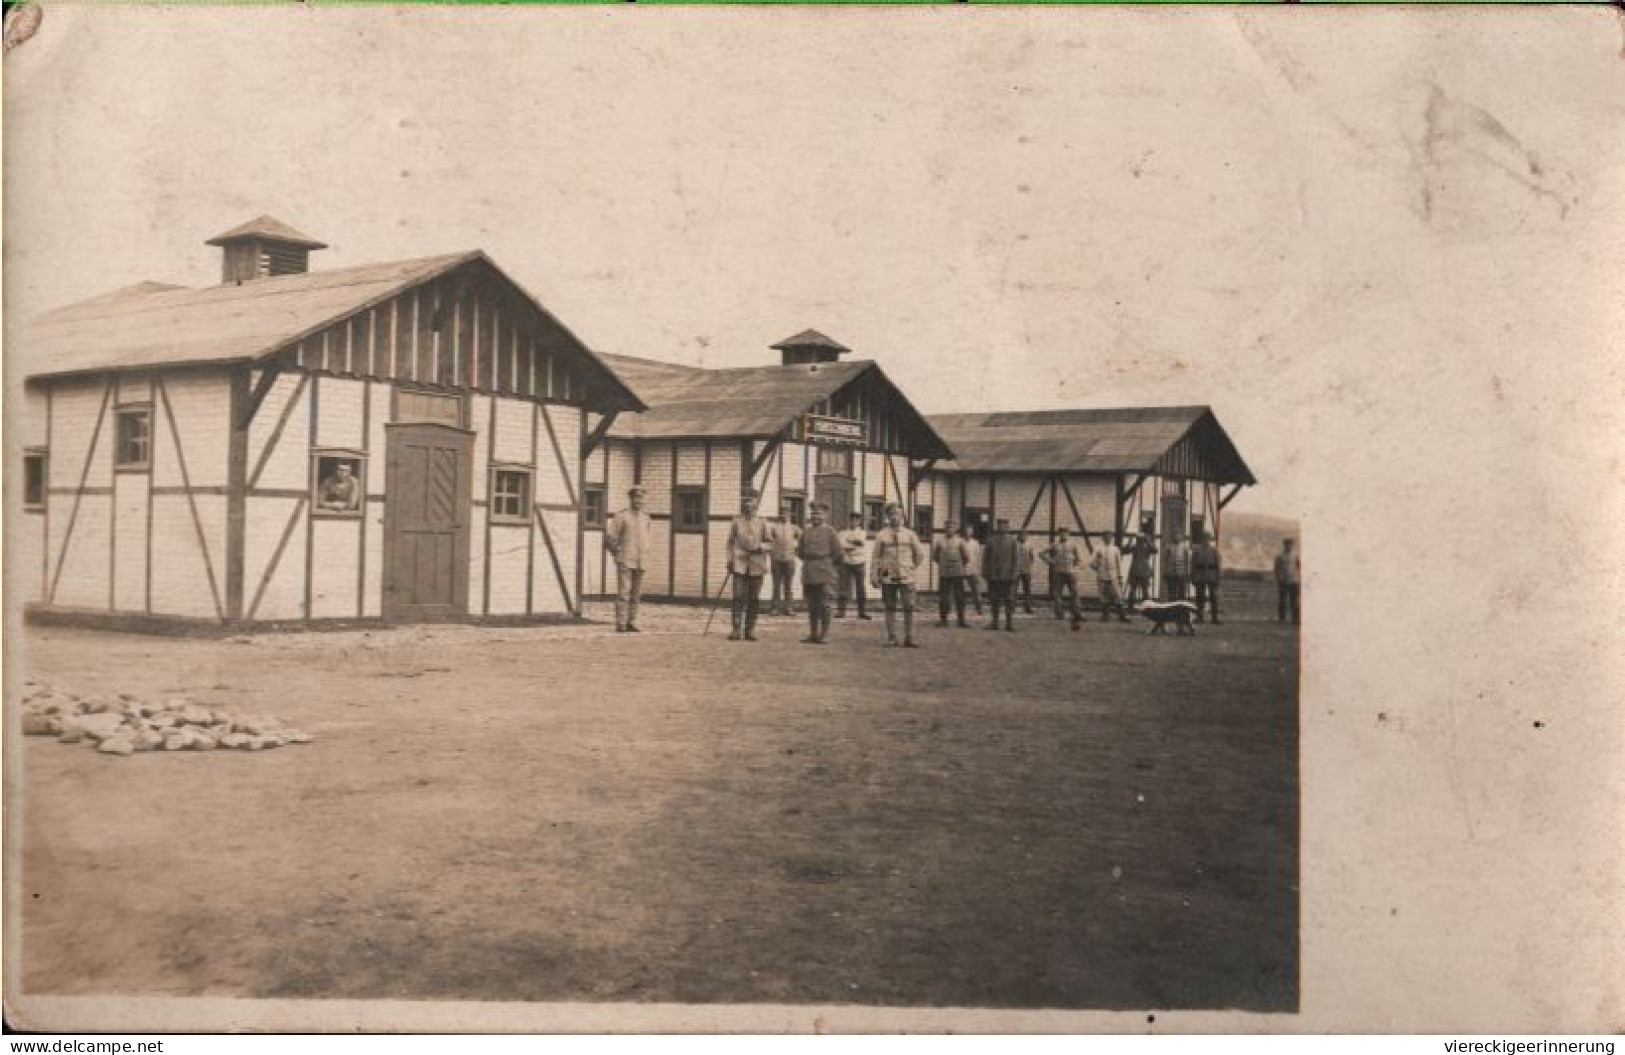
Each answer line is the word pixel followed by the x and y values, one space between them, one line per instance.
pixel 244 403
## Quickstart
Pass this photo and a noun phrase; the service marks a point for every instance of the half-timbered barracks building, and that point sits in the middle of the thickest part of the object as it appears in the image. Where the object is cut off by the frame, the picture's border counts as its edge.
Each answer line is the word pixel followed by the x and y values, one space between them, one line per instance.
pixel 1094 472
pixel 399 441
pixel 810 428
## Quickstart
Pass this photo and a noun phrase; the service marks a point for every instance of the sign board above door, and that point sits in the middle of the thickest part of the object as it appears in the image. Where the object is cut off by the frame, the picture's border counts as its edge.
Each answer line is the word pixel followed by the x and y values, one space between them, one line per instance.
pixel 821 429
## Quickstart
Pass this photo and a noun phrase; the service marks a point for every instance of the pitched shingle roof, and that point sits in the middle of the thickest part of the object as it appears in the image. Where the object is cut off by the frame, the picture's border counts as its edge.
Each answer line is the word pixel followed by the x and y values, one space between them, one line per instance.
pixel 745 402
pixel 1120 440
pixel 151 325
pixel 268 227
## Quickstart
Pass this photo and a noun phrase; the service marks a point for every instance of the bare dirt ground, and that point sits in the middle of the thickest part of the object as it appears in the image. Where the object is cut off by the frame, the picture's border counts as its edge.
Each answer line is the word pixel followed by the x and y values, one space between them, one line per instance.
pixel 1092 820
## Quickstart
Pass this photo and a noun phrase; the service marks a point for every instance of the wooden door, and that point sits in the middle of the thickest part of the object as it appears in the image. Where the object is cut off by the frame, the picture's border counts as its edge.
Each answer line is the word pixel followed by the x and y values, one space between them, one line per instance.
pixel 837 492
pixel 428 503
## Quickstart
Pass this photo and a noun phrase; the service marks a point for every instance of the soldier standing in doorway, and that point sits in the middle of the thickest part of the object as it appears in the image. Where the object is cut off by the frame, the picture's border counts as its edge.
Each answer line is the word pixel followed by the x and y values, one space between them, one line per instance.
pixel 786 535
pixel 748 550
pixel 1176 567
pixel 820 551
pixel 627 539
pixel 898 556
pixel 949 554
pixel 1001 562
pixel 1064 559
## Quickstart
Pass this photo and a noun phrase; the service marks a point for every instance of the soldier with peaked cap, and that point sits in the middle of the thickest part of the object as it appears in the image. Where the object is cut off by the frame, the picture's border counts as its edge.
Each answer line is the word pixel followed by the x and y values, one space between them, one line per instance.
pixel 820 551
pixel 898 556
pixel 1001 563
pixel 749 547
pixel 626 536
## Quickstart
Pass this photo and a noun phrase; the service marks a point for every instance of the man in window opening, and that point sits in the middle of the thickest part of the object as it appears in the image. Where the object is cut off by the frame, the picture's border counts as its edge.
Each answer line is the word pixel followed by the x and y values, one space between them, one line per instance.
pixel 949 554
pixel 785 535
pixel 1001 562
pixel 819 548
pixel 1107 566
pixel 749 551
pixel 1024 572
pixel 1206 567
pixel 341 491
pixel 626 536
pixel 854 562
pixel 898 556
pixel 1064 559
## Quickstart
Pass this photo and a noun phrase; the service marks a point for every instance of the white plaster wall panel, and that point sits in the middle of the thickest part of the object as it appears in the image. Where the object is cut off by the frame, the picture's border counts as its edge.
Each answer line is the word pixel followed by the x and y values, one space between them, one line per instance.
pixel 339 413
pixel 130 544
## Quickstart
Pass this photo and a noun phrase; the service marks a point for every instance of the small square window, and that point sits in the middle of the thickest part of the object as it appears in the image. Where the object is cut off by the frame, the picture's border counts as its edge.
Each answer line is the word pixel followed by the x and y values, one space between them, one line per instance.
pixel 132 451
pixel 688 512
pixel 34 478
pixel 797 505
pixel 594 502
pixel 874 511
pixel 340 484
pixel 922 521
pixel 510 496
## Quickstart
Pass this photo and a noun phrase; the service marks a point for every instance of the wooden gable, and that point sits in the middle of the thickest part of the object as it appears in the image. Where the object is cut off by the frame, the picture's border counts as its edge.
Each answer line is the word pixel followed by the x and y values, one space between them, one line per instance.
pixel 472 329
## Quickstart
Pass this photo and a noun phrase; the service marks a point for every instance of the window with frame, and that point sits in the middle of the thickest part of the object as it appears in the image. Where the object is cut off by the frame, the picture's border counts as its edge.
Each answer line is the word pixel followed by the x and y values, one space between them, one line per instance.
pixel 834 461
pixel 922 521
pixel 688 509
pixel 874 514
pixel 339 483
pixel 594 506
pixel 415 405
pixel 132 443
pixel 510 494
pixel 34 477
pixel 797 505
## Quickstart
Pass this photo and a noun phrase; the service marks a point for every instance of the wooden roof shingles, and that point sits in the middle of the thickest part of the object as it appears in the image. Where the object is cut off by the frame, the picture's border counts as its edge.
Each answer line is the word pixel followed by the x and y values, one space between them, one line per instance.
pixel 149 325
pixel 1115 440
pixel 753 402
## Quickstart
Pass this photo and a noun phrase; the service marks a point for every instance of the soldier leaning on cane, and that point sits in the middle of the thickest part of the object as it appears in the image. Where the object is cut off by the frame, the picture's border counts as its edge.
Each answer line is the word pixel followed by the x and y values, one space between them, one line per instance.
pixel 748 550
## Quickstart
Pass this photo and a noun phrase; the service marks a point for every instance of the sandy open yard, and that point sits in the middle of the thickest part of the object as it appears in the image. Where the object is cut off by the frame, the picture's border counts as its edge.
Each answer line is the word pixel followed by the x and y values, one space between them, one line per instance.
pixel 1045 819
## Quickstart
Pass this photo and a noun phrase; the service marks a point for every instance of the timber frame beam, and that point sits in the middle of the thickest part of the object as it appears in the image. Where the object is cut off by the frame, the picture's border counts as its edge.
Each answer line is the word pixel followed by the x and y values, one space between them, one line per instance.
pixel 917 474
pixel 596 436
pixel 1235 489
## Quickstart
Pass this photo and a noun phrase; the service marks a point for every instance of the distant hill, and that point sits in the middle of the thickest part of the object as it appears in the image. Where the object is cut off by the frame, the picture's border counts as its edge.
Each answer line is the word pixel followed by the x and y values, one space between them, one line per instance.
pixel 1251 540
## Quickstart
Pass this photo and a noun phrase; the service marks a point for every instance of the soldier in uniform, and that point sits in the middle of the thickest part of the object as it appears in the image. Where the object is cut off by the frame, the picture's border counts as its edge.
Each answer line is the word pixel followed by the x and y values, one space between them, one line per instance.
pixel 1001 561
pixel 1064 559
pixel 1176 567
pixel 951 559
pixel 1024 571
pixel 973 566
pixel 820 550
pixel 626 536
pixel 786 535
pixel 1107 565
pixel 898 556
pixel 341 491
pixel 1139 567
pixel 749 548
pixel 1206 567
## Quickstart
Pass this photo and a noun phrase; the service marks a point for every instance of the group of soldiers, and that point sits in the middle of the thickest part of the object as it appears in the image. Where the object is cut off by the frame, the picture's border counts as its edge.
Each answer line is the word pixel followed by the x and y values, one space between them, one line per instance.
pixel 849 559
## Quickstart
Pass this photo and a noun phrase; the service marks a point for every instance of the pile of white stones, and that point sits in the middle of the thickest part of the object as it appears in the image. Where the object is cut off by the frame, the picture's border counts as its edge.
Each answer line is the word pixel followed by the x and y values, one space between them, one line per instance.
pixel 125 725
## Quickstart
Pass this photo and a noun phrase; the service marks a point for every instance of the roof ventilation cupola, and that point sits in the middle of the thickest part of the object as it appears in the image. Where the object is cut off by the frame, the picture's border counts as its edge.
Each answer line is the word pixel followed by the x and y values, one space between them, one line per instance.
pixel 262 248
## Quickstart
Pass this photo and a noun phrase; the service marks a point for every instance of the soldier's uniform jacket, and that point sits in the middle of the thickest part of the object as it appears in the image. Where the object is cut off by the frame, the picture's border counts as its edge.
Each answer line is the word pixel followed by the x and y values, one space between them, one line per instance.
pixel 1205 563
pixel 1001 559
pixel 785 536
pixel 1106 562
pixel 819 549
pixel 1144 548
pixel 627 537
pixel 898 553
pixel 1064 558
pixel 1024 559
pixel 748 545
pixel 951 558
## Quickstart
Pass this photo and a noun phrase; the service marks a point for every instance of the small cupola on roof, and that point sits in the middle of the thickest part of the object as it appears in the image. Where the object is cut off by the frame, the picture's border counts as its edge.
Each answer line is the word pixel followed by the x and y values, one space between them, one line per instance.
pixel 810 346
pixel 262 248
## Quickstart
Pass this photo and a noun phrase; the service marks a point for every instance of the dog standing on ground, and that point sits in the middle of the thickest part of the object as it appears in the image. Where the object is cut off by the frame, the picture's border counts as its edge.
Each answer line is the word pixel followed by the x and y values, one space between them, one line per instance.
pixel 1161 613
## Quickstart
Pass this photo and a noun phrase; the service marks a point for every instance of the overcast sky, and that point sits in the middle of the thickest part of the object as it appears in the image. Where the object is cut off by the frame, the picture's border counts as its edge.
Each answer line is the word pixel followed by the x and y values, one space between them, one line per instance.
pixel 1309 227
